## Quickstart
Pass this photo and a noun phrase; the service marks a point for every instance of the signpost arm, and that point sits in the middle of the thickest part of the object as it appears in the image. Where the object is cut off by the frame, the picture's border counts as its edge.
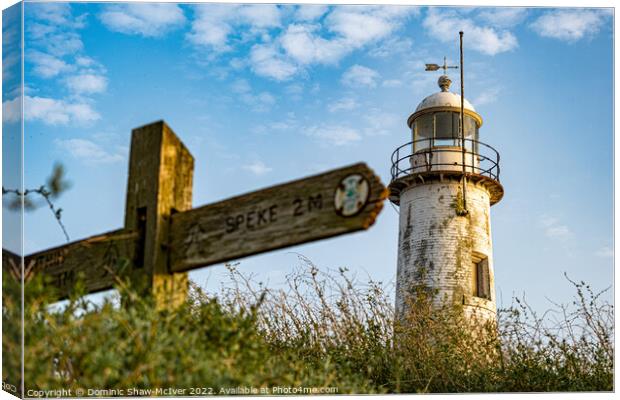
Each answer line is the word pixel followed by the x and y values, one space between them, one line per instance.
pixel 333 203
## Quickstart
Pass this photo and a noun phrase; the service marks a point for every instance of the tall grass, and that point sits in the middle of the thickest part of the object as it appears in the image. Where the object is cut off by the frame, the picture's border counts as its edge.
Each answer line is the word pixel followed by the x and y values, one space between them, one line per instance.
pixel 323 329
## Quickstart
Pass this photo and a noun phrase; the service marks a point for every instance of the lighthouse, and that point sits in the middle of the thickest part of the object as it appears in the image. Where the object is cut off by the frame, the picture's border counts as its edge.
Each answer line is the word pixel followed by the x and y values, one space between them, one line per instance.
pixel 445 181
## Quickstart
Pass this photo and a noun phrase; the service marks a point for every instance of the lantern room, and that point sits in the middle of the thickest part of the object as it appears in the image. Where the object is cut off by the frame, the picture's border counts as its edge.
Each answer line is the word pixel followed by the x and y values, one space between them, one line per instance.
pixel 437 118
pixel 437 146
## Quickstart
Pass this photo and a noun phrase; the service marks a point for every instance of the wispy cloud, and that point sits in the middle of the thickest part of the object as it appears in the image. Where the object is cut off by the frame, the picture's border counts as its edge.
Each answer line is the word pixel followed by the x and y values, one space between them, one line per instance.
pixel 310 12
pixel 57 14
pixel 605 252
pixel 57 52
pixel 53 27
pixel 487 96
pixel 553 228
pixel 88 151
pixel 380 122
pixel 504 17
pixel 571 25
pixel 258 168
pixel 360 76
pixel 337 135
pixel 288 124
pixel 344 104
pixel 442 25
pixel 46 65
pixel 391 47
pixel 11 51
pixel 261 101
pixel 392 83
pixel 145 19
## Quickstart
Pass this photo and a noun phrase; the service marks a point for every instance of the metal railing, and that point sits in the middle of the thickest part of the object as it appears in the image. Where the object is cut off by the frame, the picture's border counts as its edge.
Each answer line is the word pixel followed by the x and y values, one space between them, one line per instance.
pixel 480 158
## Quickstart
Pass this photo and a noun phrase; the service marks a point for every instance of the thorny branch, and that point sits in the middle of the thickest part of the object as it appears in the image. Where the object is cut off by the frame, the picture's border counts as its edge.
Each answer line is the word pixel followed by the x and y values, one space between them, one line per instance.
pixel 53 188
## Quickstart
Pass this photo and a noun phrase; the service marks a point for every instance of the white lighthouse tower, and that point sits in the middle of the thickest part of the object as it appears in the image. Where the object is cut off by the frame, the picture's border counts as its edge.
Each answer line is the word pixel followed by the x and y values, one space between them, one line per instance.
pixel 445 184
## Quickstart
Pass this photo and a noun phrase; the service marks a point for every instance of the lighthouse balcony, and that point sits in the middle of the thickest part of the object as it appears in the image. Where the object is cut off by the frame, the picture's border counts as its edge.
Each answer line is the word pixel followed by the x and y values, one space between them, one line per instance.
pixel 426 159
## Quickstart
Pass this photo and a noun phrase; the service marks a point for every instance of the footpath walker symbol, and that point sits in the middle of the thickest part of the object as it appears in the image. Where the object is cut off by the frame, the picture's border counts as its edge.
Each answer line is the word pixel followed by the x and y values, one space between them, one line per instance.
pixel 164 237
pixel 351 195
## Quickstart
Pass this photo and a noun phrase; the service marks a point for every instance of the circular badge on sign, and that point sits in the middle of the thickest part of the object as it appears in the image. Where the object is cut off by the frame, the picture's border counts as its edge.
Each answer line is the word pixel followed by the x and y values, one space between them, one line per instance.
pixel 351 195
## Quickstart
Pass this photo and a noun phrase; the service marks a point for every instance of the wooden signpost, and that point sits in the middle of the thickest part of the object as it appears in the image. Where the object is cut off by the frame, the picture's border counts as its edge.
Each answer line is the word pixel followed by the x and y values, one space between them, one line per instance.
pixel 164 237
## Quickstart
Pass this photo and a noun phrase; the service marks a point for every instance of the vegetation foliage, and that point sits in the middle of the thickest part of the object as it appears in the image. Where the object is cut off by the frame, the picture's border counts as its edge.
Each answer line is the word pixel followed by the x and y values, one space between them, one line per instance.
pixel 324 329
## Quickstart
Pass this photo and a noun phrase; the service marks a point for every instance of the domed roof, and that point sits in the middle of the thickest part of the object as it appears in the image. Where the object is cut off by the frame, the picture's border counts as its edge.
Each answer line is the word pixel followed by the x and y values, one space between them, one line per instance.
pixel 444 98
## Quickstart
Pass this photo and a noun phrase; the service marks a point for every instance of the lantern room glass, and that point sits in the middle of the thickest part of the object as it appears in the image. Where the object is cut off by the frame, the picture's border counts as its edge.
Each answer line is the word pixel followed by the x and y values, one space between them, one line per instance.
pixel 442 129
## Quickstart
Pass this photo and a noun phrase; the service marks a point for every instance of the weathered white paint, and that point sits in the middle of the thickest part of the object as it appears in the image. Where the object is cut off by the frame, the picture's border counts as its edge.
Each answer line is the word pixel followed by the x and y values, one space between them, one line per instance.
pixel 437 247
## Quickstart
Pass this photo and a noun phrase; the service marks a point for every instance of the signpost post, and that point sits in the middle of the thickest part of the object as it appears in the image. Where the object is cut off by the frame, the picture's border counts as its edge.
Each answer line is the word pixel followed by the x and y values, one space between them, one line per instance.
pixel 164 237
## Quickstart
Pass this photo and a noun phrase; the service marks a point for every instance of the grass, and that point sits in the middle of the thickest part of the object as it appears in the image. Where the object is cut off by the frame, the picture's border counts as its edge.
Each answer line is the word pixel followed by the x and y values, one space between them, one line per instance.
pixel 325 329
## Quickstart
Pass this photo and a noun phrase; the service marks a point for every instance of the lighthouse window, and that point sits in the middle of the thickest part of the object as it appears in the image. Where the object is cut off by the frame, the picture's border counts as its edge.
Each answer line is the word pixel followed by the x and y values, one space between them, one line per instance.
pixel 446 129
pixel 483 279
pixel 423 132
pixel 470 127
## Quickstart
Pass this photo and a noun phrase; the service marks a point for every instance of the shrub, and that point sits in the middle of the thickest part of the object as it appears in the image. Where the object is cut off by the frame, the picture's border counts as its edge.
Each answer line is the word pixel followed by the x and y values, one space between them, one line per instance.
pixel 324 329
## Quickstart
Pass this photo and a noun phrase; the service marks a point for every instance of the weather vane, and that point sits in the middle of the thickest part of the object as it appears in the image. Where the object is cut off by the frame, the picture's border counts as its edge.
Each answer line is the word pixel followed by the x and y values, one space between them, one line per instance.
pixel 445 66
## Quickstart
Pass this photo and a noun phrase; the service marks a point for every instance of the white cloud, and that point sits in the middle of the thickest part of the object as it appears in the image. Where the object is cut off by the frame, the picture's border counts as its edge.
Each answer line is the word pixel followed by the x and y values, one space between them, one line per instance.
pixel 360 25
pixel 267 62
pixel 302 44
pixel 61 44
pixel 53 28
pixel 351 28
pixel 11 110
pixel 56 51
pixel 336 135
pixel 570 25
pixel 257 168
pixel 310 12
pixel 605 252
pixel 85 61
pixel 87 83
pixel 260 15
pixel 88 151
pixel 146 19
pixel 54 13
pixel 360 76
pixel 554 229
pixel 504 17
pixel 210 27
pixel 444 25
pixel 58 112
pixel 213 24
pixel 319 36
pixel 344 104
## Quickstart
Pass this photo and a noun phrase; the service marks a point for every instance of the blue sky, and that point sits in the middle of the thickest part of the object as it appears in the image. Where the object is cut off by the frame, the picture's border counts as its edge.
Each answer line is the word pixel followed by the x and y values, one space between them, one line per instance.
pixel 263 94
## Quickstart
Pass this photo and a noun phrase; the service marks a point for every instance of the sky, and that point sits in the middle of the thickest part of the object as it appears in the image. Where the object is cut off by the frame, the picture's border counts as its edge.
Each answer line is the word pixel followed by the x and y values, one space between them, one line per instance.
pixel 263 94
